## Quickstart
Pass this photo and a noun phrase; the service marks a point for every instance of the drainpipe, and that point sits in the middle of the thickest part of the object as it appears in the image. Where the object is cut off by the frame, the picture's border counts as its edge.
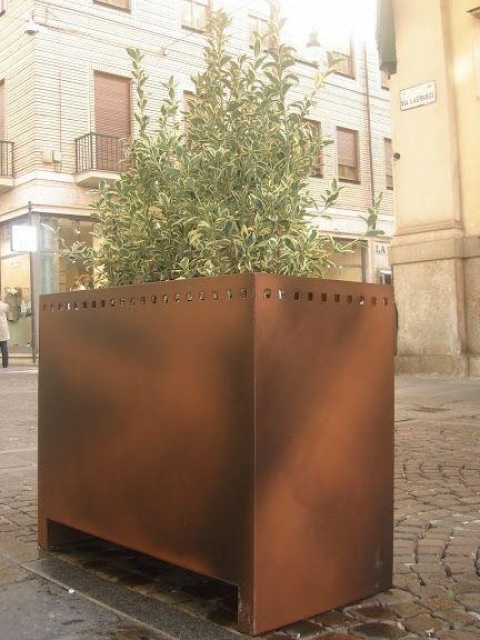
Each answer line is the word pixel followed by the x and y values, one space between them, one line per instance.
pixel 368 257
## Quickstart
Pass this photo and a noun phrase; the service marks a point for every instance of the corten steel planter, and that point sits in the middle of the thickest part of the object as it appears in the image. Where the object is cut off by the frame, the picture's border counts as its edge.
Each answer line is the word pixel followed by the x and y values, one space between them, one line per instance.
pixel 239 426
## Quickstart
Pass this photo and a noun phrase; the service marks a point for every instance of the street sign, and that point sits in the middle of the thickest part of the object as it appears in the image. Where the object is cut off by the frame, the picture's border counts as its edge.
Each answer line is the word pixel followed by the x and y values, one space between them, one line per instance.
pixel 418 96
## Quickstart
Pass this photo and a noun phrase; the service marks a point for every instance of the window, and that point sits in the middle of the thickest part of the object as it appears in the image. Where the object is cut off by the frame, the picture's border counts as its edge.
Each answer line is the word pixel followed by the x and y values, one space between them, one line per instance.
pixel 347 144
pixel 384 79
pixel 258 21
pixel 345 66
pixel 316 130
pixel 387 145
pixel 113 120
pixel 195 14
pixel 118 4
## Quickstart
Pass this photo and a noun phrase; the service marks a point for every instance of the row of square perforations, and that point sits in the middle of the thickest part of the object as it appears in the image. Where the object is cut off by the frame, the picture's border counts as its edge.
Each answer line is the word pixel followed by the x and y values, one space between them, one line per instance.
pixel 227 294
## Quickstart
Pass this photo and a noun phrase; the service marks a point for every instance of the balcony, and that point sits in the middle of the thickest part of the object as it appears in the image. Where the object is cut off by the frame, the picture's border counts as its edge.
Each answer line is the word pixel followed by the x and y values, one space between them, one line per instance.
pixel 99 158
pixel 6 166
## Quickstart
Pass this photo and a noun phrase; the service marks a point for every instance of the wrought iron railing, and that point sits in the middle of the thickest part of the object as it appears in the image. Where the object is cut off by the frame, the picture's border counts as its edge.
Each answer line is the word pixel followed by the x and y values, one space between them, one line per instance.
pixel 6 159
pixel 100 152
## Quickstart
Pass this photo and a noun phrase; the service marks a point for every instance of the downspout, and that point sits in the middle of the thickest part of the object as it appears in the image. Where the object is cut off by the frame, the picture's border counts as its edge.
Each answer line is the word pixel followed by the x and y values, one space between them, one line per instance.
pixel 369 257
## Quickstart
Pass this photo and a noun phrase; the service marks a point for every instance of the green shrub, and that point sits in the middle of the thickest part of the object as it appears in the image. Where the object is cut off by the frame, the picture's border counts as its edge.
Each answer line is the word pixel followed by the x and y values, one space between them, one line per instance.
pixel 225 188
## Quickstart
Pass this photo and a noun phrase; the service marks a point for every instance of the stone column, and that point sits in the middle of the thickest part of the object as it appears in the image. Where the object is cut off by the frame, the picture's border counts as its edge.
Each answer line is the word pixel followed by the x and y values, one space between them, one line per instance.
pixel 436 252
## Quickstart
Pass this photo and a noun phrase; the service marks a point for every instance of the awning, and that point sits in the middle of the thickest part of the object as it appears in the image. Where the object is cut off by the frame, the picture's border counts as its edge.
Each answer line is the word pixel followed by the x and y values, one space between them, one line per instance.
pixel 386 36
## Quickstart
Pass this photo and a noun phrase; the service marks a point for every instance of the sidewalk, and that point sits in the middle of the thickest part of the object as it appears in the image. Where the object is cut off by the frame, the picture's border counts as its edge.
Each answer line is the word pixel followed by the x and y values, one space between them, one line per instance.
pixel 100 591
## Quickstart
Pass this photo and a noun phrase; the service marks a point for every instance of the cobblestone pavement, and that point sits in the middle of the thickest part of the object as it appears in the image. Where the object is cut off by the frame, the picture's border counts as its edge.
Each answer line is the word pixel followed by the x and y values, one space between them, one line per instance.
pixel 117 594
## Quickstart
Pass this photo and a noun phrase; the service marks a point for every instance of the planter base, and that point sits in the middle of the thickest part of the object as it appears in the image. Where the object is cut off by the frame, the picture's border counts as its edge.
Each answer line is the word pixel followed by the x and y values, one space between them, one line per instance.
pixel 240 427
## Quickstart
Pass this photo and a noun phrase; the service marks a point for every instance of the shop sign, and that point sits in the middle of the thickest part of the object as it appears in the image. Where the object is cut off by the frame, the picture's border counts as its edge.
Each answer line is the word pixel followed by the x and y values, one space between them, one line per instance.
pixel 382 249
pixel 24 237
pixel 418 96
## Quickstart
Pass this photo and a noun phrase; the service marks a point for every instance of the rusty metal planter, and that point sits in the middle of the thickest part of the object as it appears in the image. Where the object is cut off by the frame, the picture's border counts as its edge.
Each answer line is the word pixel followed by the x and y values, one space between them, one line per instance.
pixel 239 426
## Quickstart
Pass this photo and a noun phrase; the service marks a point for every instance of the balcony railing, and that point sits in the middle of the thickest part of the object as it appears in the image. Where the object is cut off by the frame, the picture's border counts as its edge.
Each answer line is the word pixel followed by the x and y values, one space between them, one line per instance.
pixel 100 152
pixel 6 159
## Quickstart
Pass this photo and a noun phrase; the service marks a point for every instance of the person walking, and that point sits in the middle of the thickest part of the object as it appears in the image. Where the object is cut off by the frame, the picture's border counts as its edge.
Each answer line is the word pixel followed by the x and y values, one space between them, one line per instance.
pixel 4 333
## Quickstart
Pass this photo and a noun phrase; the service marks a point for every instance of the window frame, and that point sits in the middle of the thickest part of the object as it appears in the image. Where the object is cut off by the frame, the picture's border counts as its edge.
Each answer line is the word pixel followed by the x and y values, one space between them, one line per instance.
pixel 207 4
pixel 346 66
pixel 356 167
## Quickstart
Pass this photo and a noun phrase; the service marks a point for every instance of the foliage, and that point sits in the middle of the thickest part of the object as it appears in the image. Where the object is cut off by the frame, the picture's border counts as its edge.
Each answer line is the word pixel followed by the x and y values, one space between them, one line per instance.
pixel 371 219
pixel 224 190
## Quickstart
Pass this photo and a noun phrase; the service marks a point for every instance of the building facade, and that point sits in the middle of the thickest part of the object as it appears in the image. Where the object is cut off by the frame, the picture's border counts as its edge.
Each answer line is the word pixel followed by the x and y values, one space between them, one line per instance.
pixel 66 110
pixel 436 123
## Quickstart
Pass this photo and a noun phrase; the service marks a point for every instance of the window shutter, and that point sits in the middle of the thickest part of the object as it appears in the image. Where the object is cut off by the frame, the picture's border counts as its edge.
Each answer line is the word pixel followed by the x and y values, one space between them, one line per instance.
pixel 195 14
pixel 112 105
pixel 2 110
pixel 347 147
pixel 347 150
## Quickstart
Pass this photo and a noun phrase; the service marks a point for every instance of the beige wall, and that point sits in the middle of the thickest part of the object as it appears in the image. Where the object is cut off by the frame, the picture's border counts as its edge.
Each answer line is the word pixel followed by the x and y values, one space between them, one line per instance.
pixel 465 42
pixel 435 254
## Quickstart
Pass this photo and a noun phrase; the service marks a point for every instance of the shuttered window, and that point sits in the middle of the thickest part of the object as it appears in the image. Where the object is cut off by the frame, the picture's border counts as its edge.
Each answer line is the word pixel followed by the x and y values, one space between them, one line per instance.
pixel 387 144
pixel 112 105
pixel 2 110
pixel 345 66
pixel 112 121
pixel 317 171
pixel 118 4
pixel 195 14
pixel 347 149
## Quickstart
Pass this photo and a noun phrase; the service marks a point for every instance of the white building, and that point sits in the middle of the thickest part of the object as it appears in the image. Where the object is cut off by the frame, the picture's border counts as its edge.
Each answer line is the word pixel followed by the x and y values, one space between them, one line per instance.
pixel 66 107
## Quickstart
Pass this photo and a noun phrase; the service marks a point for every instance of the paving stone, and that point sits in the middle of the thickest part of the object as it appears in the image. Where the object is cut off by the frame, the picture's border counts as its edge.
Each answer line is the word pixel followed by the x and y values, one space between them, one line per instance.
pixel 457 618
pixel 470 600
pixel 332 619
pixel 381 630
pixel 304 630
pixel 426 625
pixel 338 636
pixel 465 634
pixel 10 572
pixel 376 612
pixel 395 596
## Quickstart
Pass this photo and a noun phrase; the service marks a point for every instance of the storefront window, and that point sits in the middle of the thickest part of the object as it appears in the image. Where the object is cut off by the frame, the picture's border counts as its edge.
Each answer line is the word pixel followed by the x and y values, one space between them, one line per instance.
pixel 348 265
pixel 51 273
pixel 15 290
pixel 58 274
